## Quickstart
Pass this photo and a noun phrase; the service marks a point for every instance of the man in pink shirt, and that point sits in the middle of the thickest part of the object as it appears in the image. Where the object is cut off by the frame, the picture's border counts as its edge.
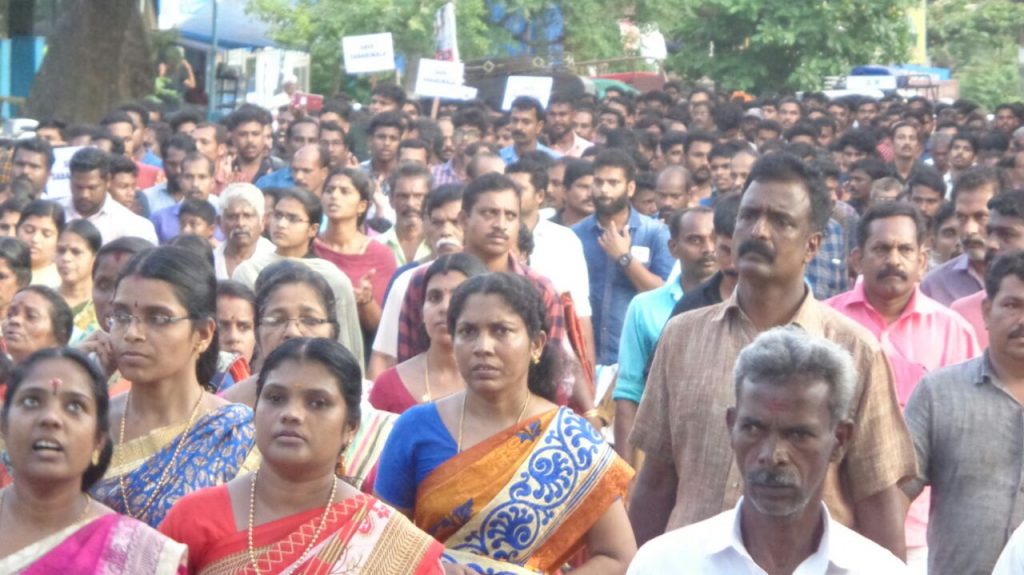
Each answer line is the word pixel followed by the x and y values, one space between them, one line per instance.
pixel 917 333
pixel 1005 233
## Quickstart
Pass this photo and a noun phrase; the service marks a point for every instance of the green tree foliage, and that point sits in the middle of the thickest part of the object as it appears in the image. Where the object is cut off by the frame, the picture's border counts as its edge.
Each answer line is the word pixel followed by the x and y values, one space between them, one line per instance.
pixel 317 26
pixel 781 45
pixel 978 41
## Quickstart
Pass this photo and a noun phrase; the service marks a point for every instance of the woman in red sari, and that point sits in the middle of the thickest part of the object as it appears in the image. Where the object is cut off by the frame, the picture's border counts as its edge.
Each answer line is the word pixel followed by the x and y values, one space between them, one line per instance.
pixel 293 514
pixel 510 482
pixel 432 374
pixel 55 425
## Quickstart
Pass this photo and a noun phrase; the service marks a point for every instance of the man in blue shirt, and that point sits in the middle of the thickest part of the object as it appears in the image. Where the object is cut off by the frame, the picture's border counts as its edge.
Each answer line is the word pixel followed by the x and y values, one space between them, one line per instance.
pixel 627 253
pixel 527 123
pixel 693 244
pixel 302 132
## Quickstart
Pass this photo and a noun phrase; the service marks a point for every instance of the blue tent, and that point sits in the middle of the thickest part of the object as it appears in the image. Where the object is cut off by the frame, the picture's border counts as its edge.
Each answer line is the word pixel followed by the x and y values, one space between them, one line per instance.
pixel 235 28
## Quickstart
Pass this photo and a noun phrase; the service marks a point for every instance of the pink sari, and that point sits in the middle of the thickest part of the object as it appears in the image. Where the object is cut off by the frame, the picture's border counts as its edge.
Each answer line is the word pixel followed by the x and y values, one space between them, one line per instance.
pixel 108 544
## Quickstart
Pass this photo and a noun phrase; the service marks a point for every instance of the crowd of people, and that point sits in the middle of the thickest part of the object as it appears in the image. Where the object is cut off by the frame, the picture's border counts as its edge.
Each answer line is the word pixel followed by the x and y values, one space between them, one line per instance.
pixel 437 337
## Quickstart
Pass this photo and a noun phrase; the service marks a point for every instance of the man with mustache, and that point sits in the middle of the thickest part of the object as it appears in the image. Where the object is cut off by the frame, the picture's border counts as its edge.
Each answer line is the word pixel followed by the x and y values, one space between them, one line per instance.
pixel 788 427
pixel 195 180
pixel 698 151
pixel 443 233
pixel 1004 233
pixel 409 187
pixel 563 138
pixel 906 149
pixel 247 125
pixel 965 421
pixel 241 219
pixel 527 123
pixel 557 252
pixel 720 285
pixel 962 275
pixel 963 151
pixel 688 474
pixel 672 191
pixel 31 162
pixel 919 335
pixel 692 243
pixel 170 191
pixel 627 253
pixel 579 197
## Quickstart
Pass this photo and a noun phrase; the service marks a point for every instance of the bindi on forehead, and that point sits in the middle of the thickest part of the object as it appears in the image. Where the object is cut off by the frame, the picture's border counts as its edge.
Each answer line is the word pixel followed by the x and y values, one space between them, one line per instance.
pixel 55 384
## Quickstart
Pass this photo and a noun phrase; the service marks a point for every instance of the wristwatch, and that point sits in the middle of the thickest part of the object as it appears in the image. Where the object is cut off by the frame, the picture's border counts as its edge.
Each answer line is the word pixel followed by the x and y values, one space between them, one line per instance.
pixel 624 260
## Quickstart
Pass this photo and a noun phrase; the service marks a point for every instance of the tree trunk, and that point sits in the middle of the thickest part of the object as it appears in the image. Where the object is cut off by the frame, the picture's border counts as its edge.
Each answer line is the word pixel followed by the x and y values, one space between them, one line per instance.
pixel 98 57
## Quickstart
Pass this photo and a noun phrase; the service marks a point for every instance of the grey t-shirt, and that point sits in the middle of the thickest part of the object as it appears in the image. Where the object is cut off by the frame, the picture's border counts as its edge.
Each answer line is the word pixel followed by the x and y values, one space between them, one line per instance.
pixel 968 431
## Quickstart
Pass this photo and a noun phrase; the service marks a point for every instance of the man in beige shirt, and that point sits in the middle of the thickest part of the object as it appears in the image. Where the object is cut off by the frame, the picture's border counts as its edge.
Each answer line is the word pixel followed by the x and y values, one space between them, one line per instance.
pixel 689 474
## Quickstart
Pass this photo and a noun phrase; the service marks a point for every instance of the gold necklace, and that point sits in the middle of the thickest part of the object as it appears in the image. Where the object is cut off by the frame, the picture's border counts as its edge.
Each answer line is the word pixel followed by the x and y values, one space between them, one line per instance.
pixel 81 516
pixel 165 474
pixel 252 519
pixel 462 416
pixel 426 379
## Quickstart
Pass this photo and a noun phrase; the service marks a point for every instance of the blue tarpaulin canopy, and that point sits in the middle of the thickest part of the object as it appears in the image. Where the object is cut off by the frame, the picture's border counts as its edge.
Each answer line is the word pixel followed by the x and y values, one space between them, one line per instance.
pixel 235 28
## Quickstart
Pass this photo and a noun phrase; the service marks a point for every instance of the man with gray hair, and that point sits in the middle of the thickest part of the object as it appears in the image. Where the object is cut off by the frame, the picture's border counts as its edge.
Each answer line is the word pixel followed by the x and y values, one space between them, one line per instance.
pixel 790 423
pixel 241 220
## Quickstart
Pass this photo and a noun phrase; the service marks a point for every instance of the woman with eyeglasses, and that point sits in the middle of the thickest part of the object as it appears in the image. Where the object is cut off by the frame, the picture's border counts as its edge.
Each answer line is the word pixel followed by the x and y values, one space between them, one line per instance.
pixel 171 436
pixel 294 220
pixel 54 420
pixel 293 301
pixel 293 515
pixel 368 264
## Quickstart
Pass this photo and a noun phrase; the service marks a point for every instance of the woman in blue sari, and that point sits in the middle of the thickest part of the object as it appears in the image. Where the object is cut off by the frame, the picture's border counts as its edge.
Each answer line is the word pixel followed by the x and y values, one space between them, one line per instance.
pixel 171 435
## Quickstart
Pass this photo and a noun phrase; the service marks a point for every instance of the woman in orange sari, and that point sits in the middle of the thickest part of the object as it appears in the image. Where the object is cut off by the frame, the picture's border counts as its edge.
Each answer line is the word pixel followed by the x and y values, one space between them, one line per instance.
pixel 510 482
pixel 293 515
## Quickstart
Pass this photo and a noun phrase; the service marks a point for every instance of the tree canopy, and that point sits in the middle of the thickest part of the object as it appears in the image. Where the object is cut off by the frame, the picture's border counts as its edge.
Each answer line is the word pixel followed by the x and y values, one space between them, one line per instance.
pixel 978 41
pixel 785 45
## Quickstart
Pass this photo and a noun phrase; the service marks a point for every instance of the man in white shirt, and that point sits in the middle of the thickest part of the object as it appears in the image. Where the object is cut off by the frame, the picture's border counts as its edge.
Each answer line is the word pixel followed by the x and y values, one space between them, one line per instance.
pixel 90 178
pixel 790 421
pixel 241 219
pixel 557 252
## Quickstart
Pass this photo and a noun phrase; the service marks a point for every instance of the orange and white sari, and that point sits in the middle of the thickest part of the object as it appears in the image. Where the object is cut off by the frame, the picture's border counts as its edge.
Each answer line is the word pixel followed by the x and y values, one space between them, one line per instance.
pixel 523 500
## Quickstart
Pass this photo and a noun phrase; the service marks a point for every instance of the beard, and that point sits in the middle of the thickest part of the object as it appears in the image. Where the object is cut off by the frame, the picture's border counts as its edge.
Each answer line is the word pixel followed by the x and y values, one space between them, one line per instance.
pixel 610 207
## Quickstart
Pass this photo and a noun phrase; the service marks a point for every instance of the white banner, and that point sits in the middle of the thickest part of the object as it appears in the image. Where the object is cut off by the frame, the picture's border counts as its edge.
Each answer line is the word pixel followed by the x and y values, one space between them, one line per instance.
pixel 535 86
pixel 59 185
pixel 369 53
pixel 439 79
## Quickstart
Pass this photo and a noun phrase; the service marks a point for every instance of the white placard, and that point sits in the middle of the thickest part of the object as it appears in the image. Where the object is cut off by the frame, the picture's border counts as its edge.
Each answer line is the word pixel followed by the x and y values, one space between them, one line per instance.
pixel 58 187
pixel 858 83
pixel 369 53
pixel 439 79
pixel 536 86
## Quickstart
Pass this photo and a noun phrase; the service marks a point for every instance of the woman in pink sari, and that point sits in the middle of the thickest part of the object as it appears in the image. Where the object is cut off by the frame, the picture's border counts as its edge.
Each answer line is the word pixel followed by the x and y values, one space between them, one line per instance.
pixel 56 431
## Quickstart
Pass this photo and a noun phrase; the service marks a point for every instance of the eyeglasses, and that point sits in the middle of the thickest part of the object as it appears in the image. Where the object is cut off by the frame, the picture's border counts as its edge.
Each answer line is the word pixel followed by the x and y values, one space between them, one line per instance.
pixel 121 320
pixel 288 218
pixel 305 322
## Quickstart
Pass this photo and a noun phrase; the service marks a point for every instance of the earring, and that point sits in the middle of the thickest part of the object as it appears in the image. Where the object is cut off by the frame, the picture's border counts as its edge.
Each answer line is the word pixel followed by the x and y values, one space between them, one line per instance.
pixel 536 359
pixel 96 456
pixel 339 469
